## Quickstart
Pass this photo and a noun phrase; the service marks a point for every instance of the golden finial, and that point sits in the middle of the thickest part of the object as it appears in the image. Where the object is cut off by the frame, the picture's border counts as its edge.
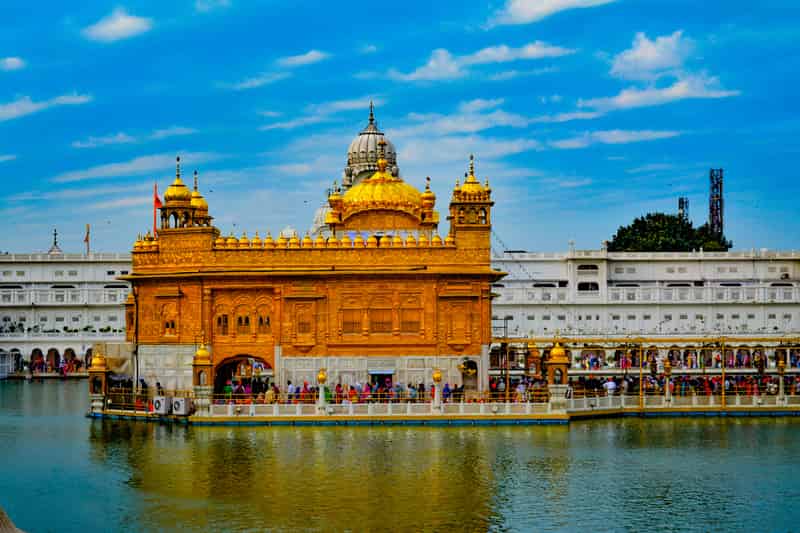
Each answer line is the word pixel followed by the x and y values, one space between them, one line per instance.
pixel 381 155
pixel 427 183
pixel 371 112
pixel 471 165
pixel 178 167
pixel 195 180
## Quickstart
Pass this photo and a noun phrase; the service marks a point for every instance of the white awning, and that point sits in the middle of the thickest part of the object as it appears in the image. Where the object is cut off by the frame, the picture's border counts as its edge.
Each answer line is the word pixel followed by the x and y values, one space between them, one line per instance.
pixel 380 371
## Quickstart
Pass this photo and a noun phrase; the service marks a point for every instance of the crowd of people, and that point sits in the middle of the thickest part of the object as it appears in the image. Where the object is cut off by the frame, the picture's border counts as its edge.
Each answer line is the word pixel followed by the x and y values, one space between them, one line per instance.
pixel 686 385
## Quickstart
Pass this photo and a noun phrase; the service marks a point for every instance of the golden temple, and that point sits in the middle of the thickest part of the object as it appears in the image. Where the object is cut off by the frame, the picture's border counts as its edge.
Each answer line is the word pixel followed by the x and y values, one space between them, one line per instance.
pixel 379 294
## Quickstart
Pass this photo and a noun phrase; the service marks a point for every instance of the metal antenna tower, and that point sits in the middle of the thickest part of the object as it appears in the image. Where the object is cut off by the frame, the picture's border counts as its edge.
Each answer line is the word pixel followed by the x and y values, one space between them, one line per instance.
pixel 715 202
pixel 683 207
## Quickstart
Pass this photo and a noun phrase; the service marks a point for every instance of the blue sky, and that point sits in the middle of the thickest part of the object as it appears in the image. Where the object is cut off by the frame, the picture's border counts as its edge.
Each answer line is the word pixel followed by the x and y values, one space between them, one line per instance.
pixel 582 113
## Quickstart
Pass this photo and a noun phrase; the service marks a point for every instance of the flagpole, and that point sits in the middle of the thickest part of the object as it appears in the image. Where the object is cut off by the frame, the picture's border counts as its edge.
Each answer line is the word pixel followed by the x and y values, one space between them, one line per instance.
pixel 86 239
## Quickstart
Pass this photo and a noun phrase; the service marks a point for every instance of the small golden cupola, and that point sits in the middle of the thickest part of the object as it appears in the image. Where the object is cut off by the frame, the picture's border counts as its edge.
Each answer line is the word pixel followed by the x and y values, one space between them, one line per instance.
pixel 470 212
pixel 198 202
pixel 178 192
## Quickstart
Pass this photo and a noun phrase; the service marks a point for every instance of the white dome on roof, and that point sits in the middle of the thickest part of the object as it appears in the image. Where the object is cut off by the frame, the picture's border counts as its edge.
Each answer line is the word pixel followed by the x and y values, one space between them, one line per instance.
pixel 362 155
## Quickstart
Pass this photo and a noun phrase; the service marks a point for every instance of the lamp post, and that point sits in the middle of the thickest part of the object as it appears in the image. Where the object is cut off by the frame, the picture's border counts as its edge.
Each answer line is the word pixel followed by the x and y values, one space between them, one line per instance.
pixel 322 377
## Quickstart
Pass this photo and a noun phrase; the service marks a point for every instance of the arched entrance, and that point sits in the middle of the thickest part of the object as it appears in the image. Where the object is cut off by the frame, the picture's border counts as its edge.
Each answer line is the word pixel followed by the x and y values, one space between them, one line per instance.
pixel 71 360
pixel 16 356
pixel 37 360
pixel 53 360
pixel 244 373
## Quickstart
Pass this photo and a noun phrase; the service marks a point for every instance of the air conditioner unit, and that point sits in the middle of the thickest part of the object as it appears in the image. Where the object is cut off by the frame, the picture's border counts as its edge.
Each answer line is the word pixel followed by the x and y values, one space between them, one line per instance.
pixel 162 405
pixel 181 406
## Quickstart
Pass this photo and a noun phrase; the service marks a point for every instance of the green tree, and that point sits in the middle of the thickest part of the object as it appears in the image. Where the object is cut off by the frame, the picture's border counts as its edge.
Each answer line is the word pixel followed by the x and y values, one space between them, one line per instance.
pixel 659 232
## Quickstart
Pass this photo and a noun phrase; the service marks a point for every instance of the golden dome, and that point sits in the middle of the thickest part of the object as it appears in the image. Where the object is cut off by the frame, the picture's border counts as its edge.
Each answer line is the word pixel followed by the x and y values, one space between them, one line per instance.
pixel 346 242
pixel 557 353
pixel 198 202
pixel 322 376
pixel 231 241
pixel 436 375
pixel 178 191
pixel 450 240
pixel 382 190
pixel 385 241
pixel 139 244
pixel 282 241
pixel 372 241
pixel 359 242
pixel 411 242
pixel 294 241
pixel 220 242
pixel 397 241
pixel 98 363
pixel 333 242
pixel 423 240
pixel 319 242
pixel 471 184
pixel 307 242
pixel 268 242
pixel 437 241
pixel 244 242
pixel 202 355
pixel 255 242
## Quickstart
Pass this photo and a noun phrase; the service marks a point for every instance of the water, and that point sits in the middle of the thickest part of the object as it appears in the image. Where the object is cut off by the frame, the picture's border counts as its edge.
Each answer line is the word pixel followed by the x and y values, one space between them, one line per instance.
pixel 62 472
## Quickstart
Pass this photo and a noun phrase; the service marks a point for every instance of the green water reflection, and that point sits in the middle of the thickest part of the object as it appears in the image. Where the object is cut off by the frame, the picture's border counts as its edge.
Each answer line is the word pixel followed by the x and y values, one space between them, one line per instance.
pixel 605 475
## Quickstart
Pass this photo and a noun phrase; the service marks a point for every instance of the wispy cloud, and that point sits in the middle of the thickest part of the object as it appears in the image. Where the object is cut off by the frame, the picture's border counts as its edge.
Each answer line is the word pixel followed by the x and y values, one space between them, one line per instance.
pixel 611 137
pixel 566 117
pixel 309 58
pixel 124 138
pixel 172 131
pixel 650 59
pixel 322 112
pixel 77 193
pixel 7 157
pixel 117 26
pixel 25 106
pixel 528 11
pixel 514 74
pixel 94 142
pixel 137 166
pixel 699 86
pixel 442 65
pixel 121 202
pixel 568 183
pixel 652 167
pixel 262 79
pixel 368 49
pixel 204 6
pixel 12 63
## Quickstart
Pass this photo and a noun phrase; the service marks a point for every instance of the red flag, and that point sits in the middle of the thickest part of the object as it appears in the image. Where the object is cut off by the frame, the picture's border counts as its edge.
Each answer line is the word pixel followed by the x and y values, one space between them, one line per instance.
pixel 156 206
pixel 86 239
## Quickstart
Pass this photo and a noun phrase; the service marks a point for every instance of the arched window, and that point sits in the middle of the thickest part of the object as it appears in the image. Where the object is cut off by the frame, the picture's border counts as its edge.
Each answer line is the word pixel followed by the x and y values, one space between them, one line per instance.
pixel 222 324
pixel 243 325
pixel 482 216
pixel 263 323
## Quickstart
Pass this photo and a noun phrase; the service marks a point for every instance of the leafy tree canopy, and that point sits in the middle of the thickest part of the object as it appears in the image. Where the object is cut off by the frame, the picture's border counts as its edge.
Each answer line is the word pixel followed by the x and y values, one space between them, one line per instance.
pixel 659 232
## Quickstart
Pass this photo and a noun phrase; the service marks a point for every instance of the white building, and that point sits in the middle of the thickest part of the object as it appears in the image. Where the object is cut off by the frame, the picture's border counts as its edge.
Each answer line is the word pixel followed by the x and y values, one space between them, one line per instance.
pixel 53 306
pixel 674 297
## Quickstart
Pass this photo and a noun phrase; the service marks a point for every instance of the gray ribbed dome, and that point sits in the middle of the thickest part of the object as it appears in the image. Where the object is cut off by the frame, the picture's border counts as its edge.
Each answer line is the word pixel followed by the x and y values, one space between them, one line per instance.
pixel 362 155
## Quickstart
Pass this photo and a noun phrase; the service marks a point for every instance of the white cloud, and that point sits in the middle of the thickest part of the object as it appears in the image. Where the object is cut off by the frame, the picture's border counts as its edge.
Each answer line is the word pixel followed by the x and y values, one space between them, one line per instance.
pixel 25 106
pixel 612 137
pixel 527 11
pixel 94 142
pixel 7 157
pixel 513 74
pixel 568 183
pixel 693 86
pixel 322 112
pixel 458 147
pixel 136 166
pixel 652 167
pixel 12 63
pixel 117 26
pixel 648 60
pixel 205 6
pixel 566 117
pixel 270 114
pixel 309 58
pixel 145 199
pixel 265 78
pixel 442 65
pixel 552 99
pixel 172 131
pixel 480 104
pixel 461 122
pixel 368 49
pixel 84 192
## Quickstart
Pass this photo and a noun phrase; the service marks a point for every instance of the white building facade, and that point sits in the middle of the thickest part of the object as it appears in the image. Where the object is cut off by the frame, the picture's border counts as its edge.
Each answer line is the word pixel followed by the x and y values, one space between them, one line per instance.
pixel 679 299
pixel 54 306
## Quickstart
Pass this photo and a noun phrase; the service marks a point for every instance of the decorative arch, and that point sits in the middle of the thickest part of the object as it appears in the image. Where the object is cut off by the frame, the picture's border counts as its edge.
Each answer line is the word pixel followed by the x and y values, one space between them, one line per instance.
pixel 245 369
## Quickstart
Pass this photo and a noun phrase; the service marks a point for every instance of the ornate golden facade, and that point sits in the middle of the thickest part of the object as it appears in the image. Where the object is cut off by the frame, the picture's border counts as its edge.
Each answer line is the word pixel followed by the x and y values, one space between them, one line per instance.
pixel 383 286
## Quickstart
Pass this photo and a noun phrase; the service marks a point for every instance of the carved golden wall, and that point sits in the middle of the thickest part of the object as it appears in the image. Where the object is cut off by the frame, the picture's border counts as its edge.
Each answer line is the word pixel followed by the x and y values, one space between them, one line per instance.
pixel 321 316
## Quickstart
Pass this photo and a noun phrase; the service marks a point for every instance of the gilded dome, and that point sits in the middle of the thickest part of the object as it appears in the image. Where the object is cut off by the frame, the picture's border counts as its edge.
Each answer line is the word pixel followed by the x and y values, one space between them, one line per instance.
pixel 362 155
pixel 178 191
pixel 198 202
pixel 471 184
